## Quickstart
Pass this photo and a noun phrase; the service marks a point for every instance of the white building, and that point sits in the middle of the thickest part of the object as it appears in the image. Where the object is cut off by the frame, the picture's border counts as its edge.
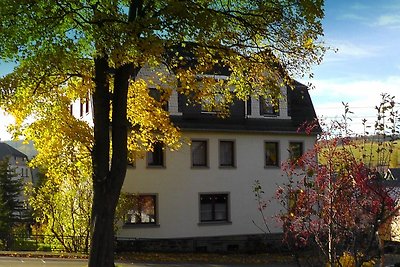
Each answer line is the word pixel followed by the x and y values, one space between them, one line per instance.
pixel 201 196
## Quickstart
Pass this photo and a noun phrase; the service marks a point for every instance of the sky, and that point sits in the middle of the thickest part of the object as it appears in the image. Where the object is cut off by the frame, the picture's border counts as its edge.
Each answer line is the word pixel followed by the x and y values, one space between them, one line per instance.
pixel 366 35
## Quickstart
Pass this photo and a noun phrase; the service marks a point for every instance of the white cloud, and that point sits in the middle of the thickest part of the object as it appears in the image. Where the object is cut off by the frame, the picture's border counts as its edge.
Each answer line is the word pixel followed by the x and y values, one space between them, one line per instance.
pixel 351 16
pixel 347 51
pixel 362 97
pixel 388 20
pixel 355 50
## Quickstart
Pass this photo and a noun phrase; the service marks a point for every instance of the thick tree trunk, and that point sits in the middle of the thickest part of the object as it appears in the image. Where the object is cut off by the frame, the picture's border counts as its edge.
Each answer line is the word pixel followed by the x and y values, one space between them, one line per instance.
pixel 102 245
pixel 108 174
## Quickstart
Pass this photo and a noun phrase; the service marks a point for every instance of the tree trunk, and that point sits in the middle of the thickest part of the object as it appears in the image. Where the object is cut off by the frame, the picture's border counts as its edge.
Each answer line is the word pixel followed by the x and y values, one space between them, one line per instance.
pixel 102 245
pixel 108 173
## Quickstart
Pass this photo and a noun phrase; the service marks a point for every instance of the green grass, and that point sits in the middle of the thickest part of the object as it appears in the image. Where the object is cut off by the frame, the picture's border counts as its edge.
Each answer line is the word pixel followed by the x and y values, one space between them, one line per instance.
pixel 372 154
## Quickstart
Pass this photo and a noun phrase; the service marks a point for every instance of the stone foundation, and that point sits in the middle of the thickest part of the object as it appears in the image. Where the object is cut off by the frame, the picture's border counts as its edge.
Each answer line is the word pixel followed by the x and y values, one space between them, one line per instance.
pixel 234 244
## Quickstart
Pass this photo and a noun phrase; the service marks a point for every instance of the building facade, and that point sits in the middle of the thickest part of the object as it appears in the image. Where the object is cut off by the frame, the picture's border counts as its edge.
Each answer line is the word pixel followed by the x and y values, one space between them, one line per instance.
pixel 201 196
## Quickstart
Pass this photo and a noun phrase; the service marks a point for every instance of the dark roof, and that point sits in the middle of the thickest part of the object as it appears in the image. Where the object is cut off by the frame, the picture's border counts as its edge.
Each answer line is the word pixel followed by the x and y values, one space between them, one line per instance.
pixel 8 151
pixel 236 124
pixel 300 106
pixel 300 109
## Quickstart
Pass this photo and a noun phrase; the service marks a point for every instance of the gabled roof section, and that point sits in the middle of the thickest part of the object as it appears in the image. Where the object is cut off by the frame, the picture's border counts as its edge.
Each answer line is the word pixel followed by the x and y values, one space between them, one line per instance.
pixel 300 107
pixel 8 151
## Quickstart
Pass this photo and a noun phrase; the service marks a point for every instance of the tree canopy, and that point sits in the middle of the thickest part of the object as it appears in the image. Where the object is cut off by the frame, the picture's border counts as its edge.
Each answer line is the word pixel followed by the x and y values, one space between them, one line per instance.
pixel 68 49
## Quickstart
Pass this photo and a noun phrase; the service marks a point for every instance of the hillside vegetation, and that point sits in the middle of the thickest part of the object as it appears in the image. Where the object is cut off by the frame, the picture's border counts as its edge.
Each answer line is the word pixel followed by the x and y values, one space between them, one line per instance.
pixel 373 153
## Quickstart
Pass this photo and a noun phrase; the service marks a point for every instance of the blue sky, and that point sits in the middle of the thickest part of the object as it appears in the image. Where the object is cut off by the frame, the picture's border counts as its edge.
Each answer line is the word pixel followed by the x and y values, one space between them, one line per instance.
pixel 366 34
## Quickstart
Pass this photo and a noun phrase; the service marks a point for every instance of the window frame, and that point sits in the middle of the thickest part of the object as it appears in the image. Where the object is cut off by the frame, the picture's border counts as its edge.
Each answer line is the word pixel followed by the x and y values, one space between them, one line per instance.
pixel 152 165
pixel 127 222
pixel 206 165
pixel 215 104
pixel 87 102
pixel 277 145
pixel 267 107
pixel 157 95
pixel 232 157
pixel 227 217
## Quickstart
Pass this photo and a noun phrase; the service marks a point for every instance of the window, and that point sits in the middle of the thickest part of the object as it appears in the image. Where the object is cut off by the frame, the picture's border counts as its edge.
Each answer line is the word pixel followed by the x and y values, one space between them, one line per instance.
pixel 158 96
pixel 24 172
pixel 87 102
pixel 214 207
pixel 199 153
pixel 81 109
pixel 155 158
pixel 268 107
pixel 212 104
pixel 271 153
pixel 295 150
pixel 181 102
pixel 143 210
pixel 226 153
pixel 248 106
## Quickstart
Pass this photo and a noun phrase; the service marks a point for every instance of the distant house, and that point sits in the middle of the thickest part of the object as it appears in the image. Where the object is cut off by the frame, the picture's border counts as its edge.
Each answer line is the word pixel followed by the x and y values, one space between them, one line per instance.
pixel 18 162
pixel 390 231
pixel 393 174
pixel 200 197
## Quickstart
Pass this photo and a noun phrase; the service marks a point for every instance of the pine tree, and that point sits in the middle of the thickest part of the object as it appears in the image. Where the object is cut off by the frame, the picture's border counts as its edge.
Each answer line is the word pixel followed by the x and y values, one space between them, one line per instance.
pixel 10 202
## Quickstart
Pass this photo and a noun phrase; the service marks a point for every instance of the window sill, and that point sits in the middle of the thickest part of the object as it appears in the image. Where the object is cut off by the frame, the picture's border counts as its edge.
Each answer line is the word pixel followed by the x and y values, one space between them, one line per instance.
pixel 140 225
pixel 155 167
pixel 214 223
pixel 200 167
pixel 210 112
pixel 269 115
pixel 227 167
pixel 271 167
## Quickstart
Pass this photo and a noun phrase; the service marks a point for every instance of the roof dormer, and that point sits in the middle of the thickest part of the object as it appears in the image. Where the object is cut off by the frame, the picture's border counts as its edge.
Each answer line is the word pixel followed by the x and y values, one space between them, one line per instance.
pixel 267 108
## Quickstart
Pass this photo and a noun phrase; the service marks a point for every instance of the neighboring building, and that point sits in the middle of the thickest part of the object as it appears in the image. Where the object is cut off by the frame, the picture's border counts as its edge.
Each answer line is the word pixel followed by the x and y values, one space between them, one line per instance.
pixel 200 198
pixel 18 162
pixel 390 231
pixel 393 174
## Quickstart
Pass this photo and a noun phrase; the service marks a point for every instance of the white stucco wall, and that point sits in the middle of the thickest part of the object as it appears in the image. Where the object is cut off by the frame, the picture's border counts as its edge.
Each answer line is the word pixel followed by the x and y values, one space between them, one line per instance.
pixel 178 186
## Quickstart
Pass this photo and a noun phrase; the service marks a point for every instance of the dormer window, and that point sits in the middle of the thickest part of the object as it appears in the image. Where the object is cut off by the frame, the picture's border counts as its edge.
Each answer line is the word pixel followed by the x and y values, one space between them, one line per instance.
pixel 268 107
pixel 157 95
pixel 212 105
